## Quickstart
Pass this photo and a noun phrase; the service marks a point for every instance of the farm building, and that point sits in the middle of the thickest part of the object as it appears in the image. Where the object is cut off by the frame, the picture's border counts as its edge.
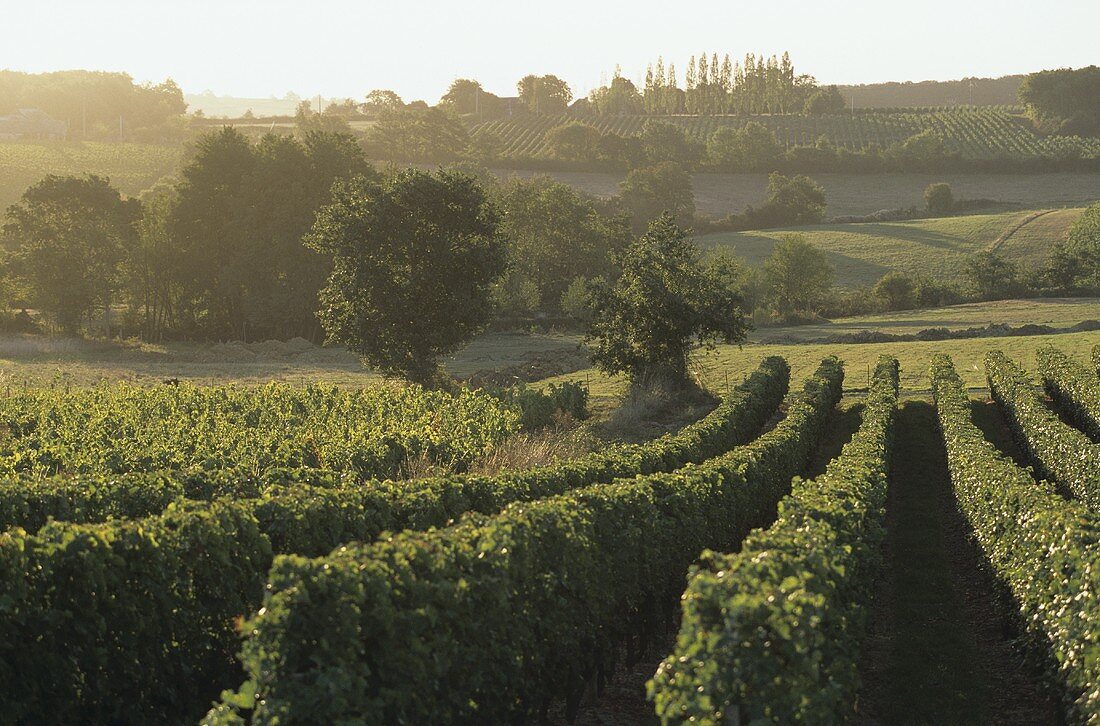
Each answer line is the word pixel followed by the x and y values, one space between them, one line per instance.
pixel 30 123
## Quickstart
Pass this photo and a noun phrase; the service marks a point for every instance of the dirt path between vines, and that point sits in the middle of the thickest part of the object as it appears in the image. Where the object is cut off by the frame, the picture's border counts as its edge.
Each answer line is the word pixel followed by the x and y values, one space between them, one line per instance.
pixel 941 647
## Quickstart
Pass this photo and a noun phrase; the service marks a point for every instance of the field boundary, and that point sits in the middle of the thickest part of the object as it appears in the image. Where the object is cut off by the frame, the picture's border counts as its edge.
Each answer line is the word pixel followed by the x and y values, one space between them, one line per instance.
pixel 1007 234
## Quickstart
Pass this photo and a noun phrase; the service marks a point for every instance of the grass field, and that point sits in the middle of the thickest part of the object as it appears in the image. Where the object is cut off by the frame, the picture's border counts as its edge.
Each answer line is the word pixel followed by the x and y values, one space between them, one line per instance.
pixel 1053 312
pixel 727 365
pixel 716 195
pixel 132 168
pixel 35 361
pixel 862 253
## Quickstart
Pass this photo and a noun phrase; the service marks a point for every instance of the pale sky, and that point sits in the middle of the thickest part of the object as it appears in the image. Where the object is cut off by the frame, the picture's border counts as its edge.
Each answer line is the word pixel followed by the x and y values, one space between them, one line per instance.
pixel 341 48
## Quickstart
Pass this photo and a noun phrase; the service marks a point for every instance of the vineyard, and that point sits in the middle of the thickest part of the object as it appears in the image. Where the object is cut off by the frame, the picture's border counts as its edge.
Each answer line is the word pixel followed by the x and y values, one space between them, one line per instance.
pixel 132 168
pixel 975 133
pixel 177 554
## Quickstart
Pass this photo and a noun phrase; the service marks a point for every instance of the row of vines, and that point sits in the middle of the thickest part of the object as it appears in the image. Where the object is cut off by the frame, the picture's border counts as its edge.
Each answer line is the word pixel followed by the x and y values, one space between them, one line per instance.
pixel 975 133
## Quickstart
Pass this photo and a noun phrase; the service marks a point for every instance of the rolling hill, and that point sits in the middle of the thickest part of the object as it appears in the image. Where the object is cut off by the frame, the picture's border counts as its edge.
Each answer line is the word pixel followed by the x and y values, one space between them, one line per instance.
pixel 863 253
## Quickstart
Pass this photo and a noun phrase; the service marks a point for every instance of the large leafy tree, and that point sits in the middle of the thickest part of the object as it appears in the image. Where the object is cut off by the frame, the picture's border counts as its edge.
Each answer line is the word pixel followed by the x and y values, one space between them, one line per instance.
pixel 417 135
pixel 650 191
pixel 795 200
pixel 664 302
pixel 1064 101
pixel 466 97
pixel 556 234
pixel 414 260
pixel 799 276
pixel 241 212
pixel 544 94
pixel 69 236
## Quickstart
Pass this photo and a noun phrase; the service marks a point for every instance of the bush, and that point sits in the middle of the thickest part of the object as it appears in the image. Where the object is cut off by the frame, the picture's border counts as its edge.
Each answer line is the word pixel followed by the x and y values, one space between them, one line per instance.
pixel 939 200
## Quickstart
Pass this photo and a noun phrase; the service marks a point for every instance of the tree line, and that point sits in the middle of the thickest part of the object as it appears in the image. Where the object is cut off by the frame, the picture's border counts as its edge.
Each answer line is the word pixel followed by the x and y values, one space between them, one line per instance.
pixel 94 103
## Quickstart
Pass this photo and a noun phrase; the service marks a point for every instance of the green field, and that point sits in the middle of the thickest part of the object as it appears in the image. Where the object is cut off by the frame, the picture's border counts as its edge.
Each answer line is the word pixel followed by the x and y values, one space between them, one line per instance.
pixel 1058 313
pixel 718 194
pixel 975 133
pixel 132 168
pixel 862 253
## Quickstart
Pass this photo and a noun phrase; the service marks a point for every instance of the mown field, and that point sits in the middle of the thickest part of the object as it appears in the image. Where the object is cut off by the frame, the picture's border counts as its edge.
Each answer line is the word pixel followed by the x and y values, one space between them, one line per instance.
pixel 168 552
pixel 975 133
pixel 862 253
pixel 716 195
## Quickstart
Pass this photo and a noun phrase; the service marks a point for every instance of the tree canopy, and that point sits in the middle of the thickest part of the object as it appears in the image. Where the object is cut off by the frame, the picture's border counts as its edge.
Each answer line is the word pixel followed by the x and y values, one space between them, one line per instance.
pixel 663 302
pixel 414 260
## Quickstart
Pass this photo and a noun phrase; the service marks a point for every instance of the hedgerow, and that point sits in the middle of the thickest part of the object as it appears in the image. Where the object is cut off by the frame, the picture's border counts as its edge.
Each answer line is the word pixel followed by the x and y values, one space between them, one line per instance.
pixel 493 619
pixel 117 429
pixel 772 633
pixel 1056 450
pixel 1074 388
pixel 202 565
pixel 125 622
pixel 1040 546
pixel 348 510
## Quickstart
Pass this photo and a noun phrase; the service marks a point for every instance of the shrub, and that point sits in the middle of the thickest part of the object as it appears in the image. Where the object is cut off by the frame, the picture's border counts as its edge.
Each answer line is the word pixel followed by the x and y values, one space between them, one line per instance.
pixel 939 200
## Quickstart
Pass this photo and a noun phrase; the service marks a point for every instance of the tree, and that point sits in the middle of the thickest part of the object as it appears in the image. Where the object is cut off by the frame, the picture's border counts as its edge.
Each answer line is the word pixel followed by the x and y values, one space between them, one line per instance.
pixel 650 191
pixel 466 97
pixel 663 141
pixel 621 98
pixel 573 141
pixel 646 323
pixel 938 199
pixel 1064 101
pixel 556 234
pixel 799 276
pixel 382 100
pixel 896 290
pixel 824 101
pixel 69 236
pixel 1083 242
pixel 237 226
pixel 991 276
pixel 795 200
pixel 751 148
pixel 415 257
pixel 307 120
pixel 417 135
pixel 544 94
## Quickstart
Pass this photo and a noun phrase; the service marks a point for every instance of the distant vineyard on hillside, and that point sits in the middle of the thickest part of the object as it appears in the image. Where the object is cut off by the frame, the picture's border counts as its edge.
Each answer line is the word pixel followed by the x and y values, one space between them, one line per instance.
pixel 975 133
pixel 132 168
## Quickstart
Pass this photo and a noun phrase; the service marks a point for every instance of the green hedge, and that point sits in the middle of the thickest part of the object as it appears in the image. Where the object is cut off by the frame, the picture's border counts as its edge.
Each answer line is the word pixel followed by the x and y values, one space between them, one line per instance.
pixel 125 622
pixel 491 620
pixel 1043 548
pixel 771 634
pixel 164 592
pixel 389 504
pixel 1074 388
pixel 1056 450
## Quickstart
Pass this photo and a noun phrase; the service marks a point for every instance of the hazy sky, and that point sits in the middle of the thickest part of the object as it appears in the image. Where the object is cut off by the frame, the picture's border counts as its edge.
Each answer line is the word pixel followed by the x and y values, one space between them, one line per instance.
pixel 339 48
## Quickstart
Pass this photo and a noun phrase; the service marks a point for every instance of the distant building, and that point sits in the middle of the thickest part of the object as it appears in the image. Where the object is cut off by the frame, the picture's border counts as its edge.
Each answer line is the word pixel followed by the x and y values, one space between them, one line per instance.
pixel 30 123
